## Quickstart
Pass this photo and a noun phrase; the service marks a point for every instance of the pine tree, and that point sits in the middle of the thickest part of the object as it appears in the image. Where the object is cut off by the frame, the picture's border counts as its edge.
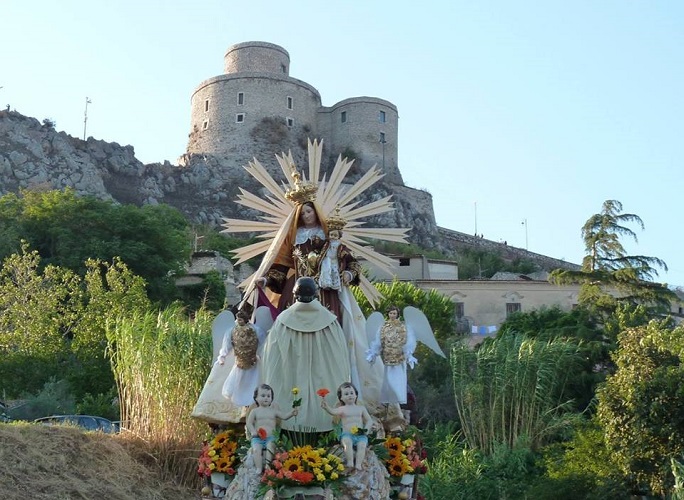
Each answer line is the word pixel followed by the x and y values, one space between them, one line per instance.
pixel 611 278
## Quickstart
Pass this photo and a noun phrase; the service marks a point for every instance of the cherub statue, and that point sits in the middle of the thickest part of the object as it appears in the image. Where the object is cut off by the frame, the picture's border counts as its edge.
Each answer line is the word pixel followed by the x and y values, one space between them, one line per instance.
pixel 354 418
pixel 395 341
pixel 261 424
pixel 245 339
pixel 228 388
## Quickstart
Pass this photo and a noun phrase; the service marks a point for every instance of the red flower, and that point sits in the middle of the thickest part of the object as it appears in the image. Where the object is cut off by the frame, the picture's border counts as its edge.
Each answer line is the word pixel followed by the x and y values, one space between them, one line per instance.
pixel 303 477
pixel 262 433
pixel 323 392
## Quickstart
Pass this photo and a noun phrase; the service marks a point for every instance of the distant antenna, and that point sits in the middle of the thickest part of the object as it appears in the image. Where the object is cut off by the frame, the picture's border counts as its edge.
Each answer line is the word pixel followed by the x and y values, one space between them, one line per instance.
pixel 85 117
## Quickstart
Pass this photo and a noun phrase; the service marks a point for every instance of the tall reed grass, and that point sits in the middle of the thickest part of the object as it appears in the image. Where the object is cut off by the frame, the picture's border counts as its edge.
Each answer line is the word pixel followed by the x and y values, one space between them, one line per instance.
pixel 513 388
pixel 160 361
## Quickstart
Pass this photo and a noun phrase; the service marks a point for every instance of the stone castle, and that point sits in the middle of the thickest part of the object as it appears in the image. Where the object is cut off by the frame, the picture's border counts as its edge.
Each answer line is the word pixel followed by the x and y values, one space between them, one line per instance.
pixel 253 110
pixel 257 98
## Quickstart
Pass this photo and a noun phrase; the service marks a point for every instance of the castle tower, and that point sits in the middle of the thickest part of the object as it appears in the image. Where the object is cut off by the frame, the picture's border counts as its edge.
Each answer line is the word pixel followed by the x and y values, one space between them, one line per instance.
pixel 257 109
pixel 254 101
pixel 368 127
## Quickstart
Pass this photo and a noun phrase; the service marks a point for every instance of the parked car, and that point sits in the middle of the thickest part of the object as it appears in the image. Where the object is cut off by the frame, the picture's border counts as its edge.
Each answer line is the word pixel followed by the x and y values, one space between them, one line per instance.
pixel 87 422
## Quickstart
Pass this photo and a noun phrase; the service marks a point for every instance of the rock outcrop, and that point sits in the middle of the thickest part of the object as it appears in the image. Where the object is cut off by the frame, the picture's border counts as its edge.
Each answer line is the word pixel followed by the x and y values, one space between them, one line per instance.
pixel 33 155
pixel 204 187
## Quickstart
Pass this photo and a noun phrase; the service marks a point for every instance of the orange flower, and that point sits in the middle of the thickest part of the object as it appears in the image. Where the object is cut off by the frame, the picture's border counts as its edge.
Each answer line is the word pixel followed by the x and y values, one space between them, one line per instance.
pixel 303 476
pixel 262 433
pixel 323 392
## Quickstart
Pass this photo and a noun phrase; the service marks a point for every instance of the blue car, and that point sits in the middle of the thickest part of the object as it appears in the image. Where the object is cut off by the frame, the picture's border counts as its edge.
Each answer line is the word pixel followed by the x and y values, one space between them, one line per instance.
pixel 87 422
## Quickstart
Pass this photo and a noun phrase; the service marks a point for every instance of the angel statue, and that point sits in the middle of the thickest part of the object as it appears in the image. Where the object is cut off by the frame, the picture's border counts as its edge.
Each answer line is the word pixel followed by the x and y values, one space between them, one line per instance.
pixel 229 389
pixel 395 341
pixel 312 229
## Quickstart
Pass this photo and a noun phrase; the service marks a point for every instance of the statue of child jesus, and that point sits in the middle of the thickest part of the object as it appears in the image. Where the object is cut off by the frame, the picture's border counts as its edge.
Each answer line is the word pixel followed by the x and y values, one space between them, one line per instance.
pixel 261 423
pixel 353 417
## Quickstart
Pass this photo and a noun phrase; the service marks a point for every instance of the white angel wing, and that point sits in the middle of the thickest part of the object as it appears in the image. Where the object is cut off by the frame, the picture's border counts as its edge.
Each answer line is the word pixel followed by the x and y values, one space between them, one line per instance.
pixel 373 325
pixel 417 321
pixel 222 323
pixel 264 320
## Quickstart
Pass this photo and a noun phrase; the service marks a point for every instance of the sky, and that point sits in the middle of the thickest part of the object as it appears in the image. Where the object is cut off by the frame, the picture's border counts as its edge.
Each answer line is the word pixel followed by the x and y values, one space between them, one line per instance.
pixel 520 117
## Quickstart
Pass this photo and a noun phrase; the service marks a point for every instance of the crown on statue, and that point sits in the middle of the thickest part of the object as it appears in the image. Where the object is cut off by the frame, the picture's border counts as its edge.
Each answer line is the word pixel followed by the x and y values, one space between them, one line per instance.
pixel 336 222
pixel 302 191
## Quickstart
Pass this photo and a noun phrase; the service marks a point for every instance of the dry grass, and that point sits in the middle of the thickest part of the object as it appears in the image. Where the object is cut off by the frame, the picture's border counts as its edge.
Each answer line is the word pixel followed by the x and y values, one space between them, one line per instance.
pixel 64 463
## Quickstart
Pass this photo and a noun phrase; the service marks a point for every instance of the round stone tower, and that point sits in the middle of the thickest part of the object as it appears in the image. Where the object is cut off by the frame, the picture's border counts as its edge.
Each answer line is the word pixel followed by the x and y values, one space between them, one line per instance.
pixel 257 57
pixel 368 127
pixel 255 105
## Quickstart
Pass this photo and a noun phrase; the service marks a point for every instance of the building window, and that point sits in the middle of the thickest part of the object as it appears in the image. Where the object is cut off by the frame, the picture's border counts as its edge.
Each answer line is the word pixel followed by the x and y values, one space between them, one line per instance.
pixel 382 138
pixel 512 307
pixel 289 103
pixel 239 118
pixel 284 68
pixel 205 125
pixel 290 121
pixel 460 309
pixel 241 98
pixel 382 117
pixel 404 261
pixel 206 105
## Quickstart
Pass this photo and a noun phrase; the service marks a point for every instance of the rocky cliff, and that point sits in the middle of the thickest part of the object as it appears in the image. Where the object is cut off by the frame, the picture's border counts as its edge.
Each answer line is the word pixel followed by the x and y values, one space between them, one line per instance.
pixel 33 155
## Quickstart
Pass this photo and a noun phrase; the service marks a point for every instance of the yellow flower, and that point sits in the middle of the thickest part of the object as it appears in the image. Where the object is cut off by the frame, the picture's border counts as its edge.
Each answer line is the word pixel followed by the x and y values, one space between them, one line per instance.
pixel 292 464
pixel 320 477
pixel 327 467
pixel 334 475
pixel 354 430
pixel 340 467
pixel 295 390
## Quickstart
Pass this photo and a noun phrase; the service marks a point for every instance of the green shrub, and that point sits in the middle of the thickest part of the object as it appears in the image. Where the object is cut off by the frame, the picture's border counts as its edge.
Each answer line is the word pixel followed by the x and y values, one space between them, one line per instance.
pixel 54 398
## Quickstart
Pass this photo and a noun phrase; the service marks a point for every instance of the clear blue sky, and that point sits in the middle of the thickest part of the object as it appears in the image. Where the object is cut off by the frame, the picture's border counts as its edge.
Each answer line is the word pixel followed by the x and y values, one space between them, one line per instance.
pixel 509 111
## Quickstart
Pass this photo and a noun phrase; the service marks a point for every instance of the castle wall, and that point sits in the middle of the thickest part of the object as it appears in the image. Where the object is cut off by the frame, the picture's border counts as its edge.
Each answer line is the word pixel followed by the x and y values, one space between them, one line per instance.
pixel 229 112
pixel 361 124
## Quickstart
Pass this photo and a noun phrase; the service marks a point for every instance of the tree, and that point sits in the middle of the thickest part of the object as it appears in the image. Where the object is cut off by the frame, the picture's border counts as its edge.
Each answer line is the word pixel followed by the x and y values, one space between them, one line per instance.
pixel 67 230
pixel 641 406
pixel 609 276
pixel 53 322
pixel 111 290
pixel 38 309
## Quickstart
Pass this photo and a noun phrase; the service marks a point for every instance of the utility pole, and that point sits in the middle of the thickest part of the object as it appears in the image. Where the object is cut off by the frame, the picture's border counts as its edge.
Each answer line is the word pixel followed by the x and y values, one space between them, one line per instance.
pixel 524 223
pixel 85 117
pixel 198 238
pixel 475 218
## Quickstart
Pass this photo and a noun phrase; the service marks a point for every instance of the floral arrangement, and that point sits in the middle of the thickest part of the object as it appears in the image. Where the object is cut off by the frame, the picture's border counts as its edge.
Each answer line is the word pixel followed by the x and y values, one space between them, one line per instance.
pixel 405 456
pixel 303 466
pixel 220 454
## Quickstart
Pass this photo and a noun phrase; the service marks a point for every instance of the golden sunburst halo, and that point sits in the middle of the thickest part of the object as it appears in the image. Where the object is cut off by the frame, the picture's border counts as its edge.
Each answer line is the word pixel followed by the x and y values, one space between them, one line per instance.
pixel 335 200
